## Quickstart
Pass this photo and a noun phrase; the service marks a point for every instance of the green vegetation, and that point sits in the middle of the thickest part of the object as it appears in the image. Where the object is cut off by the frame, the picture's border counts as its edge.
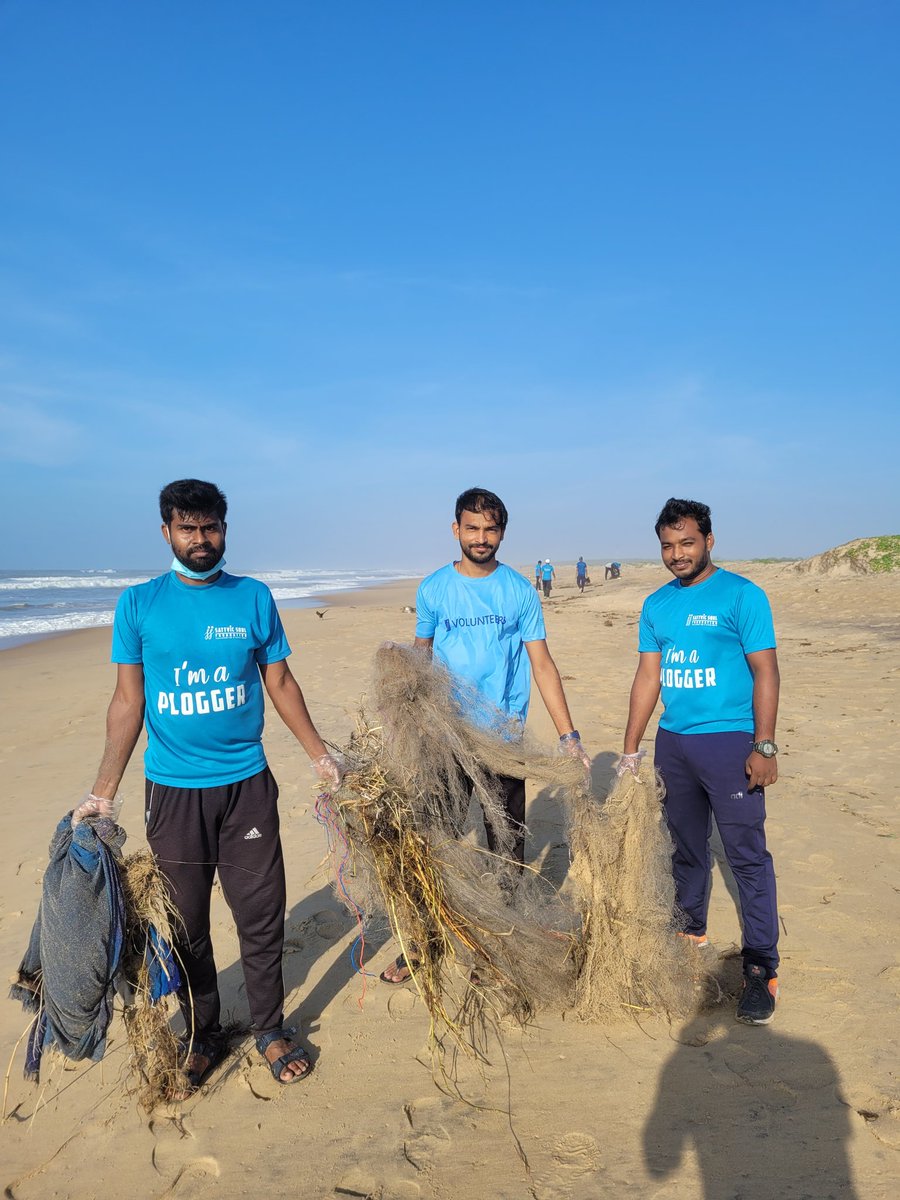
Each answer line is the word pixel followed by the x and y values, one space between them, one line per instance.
pixel 864 556
pixel 879 554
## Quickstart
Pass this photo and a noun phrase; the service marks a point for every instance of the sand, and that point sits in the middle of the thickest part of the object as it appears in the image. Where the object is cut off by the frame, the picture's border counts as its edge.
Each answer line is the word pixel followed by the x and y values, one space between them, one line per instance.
pixel 807 1107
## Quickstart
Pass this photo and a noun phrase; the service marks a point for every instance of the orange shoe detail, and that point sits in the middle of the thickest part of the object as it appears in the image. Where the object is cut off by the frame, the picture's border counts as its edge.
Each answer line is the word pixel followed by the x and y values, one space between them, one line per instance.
pixel 697 939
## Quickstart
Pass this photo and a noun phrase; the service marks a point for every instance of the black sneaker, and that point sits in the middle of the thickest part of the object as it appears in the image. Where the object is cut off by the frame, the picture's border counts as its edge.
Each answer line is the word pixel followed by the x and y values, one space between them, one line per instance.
pixel 757 1003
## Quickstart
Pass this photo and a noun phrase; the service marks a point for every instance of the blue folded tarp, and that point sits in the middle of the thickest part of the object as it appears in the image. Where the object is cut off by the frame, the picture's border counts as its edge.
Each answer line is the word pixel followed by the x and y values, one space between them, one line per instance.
pixel 71 969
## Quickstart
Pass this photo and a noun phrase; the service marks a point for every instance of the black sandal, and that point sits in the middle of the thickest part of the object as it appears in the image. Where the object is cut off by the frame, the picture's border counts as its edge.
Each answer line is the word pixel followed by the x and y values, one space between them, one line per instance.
pixel 296 1055
pixel 401 963
pixel 213 1048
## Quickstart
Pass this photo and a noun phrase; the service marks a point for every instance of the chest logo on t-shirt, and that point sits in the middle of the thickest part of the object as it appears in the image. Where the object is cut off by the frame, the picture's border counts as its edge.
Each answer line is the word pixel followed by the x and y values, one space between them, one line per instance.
pixel 224 633
pixel 471 622
pixel 709 620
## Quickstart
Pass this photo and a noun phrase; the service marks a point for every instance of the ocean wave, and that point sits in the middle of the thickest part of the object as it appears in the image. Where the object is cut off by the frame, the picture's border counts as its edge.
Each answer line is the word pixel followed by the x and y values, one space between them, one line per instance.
pixel 317 589
pixel 35 626
pixel 30 583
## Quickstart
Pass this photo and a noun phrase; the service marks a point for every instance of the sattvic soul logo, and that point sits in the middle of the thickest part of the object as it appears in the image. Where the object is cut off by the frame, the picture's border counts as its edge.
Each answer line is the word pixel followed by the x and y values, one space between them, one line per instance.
pixel 709 619
pixel 219 633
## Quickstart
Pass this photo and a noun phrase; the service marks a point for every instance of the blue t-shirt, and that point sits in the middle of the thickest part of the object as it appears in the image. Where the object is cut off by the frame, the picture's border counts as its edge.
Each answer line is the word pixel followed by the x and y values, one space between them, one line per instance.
pixel 704 634
pixel 480 627
pixel 200 647
pixel 547 570
pixel 581 568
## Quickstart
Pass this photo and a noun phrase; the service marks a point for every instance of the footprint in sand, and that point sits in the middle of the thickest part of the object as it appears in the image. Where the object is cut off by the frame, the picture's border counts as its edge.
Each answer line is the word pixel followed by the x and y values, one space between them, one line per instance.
pixel 364 1186
pixel 194 1179
pixel 435 1125
pixel 576 1158
pixel 331 925
pixel 401 1002
pixel 424 1148
pixel 328 924
pixel 174 1145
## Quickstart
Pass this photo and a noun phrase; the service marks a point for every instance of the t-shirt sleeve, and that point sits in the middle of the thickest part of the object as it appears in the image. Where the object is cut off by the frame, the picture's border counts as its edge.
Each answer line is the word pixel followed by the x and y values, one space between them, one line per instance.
pixel 648 642
pixel 127 646
pixel 531 619
pixel 275 647
pixel 754 620
pixel 426 620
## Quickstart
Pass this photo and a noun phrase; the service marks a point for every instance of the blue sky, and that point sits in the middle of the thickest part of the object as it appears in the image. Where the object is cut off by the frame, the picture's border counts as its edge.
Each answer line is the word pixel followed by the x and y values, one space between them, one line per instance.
pixel 347 259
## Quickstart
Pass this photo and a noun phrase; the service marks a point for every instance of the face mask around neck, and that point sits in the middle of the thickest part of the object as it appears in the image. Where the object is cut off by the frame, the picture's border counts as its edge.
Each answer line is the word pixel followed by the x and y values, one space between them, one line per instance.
pixel 181 569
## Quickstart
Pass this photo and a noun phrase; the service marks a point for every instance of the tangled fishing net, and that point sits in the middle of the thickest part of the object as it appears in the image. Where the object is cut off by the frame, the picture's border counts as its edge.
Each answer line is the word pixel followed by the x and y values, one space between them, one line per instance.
pixel 149 975
pixel 630 959
pixel 482 932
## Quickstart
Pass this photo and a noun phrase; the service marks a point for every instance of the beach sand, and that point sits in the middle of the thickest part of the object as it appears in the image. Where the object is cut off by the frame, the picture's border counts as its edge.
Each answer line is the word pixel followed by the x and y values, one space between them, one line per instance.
pixel 806 1107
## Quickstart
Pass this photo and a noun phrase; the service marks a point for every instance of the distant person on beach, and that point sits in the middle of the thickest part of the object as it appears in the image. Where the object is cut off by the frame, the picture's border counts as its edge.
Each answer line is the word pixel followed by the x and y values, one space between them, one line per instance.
pixel 581 575
pixel 707 642
pixel 484 622
pixel 537 575
pixel 547 576
pixel 612 570
pixel 194 649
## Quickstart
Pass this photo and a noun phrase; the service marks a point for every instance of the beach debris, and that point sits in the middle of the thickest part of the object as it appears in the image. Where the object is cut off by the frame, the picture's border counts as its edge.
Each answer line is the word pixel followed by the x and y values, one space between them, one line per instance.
pixel 321 612
pixel 630 957
pixel 67 976
pixel 150 975
pixel 483 935
pixel 104 927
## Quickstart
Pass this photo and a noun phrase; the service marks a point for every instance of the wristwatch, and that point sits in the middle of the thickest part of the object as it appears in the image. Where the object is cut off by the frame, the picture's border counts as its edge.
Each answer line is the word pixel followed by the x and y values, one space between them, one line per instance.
pixel 766 748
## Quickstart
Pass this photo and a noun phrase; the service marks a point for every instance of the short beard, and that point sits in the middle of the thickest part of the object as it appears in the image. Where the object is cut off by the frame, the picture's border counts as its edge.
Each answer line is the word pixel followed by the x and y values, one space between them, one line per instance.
pixel 192 566
pixel 698 570
pixel 491 555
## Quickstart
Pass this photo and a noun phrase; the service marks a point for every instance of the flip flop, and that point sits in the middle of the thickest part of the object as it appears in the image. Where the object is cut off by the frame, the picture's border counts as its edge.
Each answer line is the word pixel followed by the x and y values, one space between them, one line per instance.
pixel 400 963
pixel 297 1055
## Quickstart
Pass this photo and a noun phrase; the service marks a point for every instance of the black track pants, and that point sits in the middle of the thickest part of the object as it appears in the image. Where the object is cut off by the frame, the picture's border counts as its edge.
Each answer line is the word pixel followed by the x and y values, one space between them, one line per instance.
pixel 233 829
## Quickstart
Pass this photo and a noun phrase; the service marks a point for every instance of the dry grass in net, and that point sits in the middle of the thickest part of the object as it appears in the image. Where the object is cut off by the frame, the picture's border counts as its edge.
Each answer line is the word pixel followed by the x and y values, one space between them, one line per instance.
pixel 454 907
pixel 456 910
pixel 630 958
pixel 154 1047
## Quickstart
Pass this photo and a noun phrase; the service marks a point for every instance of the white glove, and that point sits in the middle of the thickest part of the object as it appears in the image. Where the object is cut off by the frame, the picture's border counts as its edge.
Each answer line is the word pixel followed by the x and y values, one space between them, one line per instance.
pixel 630 762
pixel 97 806
pixel 570 743
pixel 330 769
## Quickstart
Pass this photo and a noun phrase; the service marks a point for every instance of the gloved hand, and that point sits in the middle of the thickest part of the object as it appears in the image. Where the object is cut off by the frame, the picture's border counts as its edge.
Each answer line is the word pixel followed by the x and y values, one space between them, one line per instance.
pixel 330 769
pixel 630 762
pixel 97 806
pixel 570 743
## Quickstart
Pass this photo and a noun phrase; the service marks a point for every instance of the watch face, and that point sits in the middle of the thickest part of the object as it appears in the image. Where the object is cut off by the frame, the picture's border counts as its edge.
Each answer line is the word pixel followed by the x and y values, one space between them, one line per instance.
pixel 767 749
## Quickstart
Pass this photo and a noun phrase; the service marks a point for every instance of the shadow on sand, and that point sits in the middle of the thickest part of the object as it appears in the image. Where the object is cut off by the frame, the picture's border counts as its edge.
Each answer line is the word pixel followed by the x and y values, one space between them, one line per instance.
pixel 761 1111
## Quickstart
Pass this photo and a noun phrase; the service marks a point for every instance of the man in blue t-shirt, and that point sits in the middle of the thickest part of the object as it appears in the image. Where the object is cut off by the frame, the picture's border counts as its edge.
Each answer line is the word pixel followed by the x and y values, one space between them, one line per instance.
pixel 195 648
pixel 581 574
pixel 707 643
pixel 537 575
pixel 547 576
pixel 484 622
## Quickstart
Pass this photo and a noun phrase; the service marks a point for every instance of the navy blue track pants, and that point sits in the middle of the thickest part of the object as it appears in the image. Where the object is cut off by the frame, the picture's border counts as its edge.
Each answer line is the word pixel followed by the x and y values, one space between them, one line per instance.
pixel 704 776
